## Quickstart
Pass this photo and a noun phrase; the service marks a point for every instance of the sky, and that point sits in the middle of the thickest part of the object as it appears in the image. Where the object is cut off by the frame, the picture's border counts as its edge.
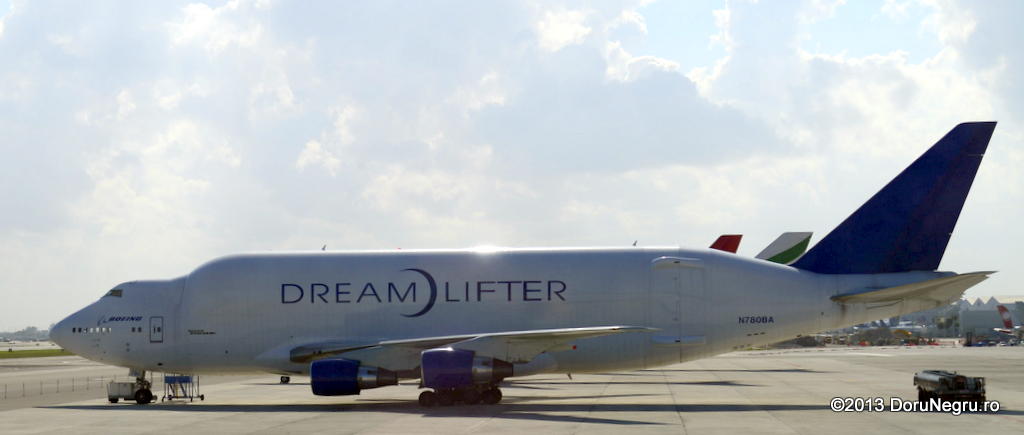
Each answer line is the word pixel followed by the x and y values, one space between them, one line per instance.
pixel 142 139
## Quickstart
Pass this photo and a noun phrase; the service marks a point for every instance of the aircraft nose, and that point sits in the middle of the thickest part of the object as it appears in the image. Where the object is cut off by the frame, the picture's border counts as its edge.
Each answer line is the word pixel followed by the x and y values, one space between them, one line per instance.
pixel 60 332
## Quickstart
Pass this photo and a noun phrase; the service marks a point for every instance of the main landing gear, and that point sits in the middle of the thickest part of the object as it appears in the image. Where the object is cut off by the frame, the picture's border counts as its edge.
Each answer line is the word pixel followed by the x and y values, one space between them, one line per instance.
pixel 486 394
pixel 286 379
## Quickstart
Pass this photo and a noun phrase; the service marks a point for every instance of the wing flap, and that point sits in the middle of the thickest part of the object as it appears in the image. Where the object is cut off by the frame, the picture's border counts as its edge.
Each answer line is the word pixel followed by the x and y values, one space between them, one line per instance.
pixel 521 347
pixel 512 346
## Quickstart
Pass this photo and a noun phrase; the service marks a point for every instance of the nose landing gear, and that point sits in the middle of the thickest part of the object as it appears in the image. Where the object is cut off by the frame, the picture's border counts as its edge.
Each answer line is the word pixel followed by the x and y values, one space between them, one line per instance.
pixel 472 395
pixel 143 396
pixel 138 390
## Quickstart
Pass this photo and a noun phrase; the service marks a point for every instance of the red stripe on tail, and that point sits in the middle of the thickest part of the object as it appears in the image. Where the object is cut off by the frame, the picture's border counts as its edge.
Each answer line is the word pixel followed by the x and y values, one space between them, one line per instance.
pixel 727 242
pixel 1005 314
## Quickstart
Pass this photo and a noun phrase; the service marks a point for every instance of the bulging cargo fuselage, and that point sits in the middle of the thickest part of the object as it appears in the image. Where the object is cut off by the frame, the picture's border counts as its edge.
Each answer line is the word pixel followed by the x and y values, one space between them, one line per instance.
pixel 247 313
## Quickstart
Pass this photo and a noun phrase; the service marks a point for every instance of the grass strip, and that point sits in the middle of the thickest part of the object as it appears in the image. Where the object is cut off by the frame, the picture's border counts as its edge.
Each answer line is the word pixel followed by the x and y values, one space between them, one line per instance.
pixel 33 353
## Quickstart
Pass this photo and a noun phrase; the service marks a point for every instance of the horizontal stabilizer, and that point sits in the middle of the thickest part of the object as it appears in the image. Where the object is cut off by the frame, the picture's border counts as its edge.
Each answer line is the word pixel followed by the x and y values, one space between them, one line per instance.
pixel 935 292
pixel 787 248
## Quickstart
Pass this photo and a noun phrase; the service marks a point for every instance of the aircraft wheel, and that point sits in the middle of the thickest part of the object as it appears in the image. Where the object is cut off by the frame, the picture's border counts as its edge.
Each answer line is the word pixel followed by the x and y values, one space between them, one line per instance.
pixel 471 396
pixel 286 379
pixel 143 396
pixel 491 396
pixel 445 398
pixel 428 399
pixel 112 399
pixel 921 395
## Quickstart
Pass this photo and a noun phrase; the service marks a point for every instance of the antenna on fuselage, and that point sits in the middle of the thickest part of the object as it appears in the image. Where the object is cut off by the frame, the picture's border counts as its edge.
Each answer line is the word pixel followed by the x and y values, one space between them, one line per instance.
pixel 634 242
pixel 324 248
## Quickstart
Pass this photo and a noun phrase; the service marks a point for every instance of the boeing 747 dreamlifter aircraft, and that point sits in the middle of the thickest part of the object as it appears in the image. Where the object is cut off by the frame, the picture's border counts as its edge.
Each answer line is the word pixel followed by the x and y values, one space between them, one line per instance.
pixel 464 320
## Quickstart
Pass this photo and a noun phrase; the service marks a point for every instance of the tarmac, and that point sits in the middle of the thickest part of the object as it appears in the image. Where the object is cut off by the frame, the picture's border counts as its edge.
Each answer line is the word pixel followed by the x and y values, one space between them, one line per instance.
pixel 776 391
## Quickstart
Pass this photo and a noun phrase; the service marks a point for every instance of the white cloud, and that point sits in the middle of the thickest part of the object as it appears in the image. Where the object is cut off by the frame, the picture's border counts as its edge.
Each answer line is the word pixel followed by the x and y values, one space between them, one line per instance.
pixel 314 154
pixel 343 118
pixel 125 105
pixel 953 25
pixel 560 29
pixel 896 8
pixel 484 92
pixel 272 97
pixel 65 43
pixel 623 66
pixel 629 17
pixel 169 94
pixel 214 28
pixel 817 10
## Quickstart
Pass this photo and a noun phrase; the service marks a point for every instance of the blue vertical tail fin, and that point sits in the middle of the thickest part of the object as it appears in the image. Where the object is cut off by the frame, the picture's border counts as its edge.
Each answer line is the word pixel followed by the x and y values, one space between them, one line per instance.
pixel 907 224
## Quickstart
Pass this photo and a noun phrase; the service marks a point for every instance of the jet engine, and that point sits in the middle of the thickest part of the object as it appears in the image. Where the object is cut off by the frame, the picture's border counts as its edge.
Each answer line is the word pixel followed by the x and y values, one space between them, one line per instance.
pixel 448 368
pixel 341 377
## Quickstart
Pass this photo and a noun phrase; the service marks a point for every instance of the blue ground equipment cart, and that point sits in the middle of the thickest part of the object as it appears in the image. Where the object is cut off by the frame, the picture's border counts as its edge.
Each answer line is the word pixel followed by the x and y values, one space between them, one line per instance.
pixel 181 387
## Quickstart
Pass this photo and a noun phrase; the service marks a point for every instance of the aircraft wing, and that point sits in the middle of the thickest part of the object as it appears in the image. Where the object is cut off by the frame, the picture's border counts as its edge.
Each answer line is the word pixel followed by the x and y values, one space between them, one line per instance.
pixel 926 294
pixel 511 346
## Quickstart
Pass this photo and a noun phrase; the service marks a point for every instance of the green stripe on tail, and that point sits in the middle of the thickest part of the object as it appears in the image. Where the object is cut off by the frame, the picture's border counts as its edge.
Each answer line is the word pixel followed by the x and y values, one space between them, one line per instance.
pixel 787 248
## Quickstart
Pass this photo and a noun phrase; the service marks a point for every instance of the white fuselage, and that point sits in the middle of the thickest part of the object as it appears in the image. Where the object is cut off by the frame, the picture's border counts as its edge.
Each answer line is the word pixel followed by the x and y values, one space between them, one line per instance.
pixel 245 313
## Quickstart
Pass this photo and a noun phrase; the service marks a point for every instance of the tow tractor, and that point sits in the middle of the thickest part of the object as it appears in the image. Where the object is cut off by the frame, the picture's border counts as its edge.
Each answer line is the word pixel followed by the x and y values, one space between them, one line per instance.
pixel 948 386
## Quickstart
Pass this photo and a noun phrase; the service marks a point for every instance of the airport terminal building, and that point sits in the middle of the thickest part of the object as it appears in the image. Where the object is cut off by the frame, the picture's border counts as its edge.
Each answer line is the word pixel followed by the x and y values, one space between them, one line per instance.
pixel 979 318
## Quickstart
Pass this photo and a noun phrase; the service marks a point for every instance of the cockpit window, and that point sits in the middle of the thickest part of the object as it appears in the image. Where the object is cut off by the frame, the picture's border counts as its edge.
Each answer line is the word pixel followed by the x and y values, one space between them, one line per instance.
pixel 114 292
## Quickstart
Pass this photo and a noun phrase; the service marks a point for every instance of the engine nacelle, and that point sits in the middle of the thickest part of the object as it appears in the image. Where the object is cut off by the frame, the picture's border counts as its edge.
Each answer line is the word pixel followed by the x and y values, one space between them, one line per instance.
pixel 341 377
pixel 454 368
